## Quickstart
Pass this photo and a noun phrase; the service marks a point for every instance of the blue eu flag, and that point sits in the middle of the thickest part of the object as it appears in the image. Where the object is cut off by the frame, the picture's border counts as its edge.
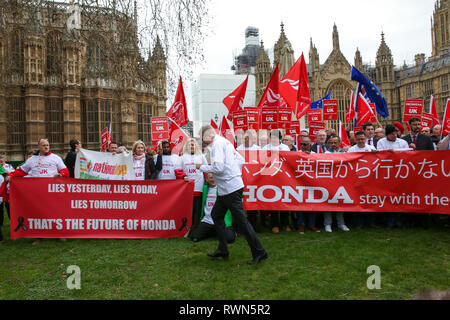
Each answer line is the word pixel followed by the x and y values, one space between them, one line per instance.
pixel 319 103
pixel 372 92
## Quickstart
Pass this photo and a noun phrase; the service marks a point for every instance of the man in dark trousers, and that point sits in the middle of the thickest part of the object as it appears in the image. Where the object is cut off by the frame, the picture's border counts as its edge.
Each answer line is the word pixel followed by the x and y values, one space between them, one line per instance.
pixel 418 141
pixel 225 167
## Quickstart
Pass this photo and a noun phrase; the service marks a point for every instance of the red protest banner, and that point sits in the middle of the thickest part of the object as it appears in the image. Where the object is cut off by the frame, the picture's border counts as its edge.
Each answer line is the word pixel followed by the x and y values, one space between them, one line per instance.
pixel 284 118
pixel 315 115
pixel 240 121
pixel 330 110
pixel 403 181
pixel 253 117
pixel 269 118
pixel 160 128
pixel 314 127
pixel 73 208
pixel 427 120
pixel 413 108
pixel 294 129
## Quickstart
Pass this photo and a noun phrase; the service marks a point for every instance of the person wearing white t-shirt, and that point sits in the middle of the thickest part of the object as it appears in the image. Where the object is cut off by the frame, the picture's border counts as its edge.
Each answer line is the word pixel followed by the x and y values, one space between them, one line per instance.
pixel 168 165
pixel 361 145
pixel 192 154
pixel 206 227
pixel 143 163
pixel 228 177
pixel 391 142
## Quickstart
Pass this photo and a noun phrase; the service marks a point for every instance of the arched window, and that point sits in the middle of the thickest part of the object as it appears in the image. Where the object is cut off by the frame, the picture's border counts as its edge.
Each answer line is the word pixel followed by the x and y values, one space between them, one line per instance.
pixel 341 91
pixel 54 120
pixel 17 52
pixel 97 58
pixel 54 53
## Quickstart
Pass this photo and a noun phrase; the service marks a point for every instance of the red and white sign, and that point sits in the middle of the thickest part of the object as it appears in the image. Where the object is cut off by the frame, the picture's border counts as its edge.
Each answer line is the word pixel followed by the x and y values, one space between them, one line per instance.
pixel 73 208
pixel 330 110
pixel 160 128
pixel 315 115
pixel 446 119
pixel 253 117
pixel 240 121
pixel 314 127
pixel 294 128
pixel 413 108
pixel 348 182
pixel 427 120
pixel 284 118
pixel 269 118
pixel 105 139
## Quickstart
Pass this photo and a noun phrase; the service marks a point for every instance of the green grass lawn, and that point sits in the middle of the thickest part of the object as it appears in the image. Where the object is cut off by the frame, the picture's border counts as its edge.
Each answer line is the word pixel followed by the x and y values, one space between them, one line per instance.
pixel 310 266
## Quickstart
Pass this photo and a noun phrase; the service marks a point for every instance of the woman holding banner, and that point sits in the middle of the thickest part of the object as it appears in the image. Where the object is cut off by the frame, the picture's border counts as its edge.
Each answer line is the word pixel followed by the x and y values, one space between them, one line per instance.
pixel 192 154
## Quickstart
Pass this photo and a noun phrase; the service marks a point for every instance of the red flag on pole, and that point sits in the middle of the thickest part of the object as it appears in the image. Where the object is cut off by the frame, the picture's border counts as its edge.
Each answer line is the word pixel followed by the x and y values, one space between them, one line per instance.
pixel 177 138
pixel 214 125
pixel 345 141
pixel 446 119
pixel 350 115
pixel 178 111
pixel 235 100
pixel 271 96
pixel 290 83
pixel 433 111
pixel 304 96
pixel 365 112
pixel 105 139
pixel 226 132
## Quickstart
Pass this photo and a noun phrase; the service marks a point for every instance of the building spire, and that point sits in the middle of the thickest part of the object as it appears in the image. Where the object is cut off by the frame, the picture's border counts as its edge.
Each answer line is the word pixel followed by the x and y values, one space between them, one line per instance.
pixel 335 38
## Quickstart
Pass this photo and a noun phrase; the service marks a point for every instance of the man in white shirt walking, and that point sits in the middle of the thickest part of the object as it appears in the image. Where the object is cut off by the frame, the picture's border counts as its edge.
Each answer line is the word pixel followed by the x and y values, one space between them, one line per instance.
pixel 227 175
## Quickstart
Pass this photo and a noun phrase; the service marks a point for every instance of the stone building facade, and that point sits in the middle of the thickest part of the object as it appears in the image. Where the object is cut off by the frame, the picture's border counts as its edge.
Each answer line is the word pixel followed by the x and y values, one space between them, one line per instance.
pixel 68 70
pixel 427 77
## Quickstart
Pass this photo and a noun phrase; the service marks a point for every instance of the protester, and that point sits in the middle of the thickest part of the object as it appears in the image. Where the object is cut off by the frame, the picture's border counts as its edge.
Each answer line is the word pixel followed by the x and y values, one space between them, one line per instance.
pixel 71 156
pixel 143 163
pixel 379 133
pixel 2 173
pixel 400 129
pixel 305 145
pixel 426 131
pixel 289 141
pixel 335 145
pixel 436 134
pixel 361 145
pixel 445 143
pixel 192 154
pixel 369 131
pixel 249 142
pixel 122 149
pixel 206 227
pixel 113 147
pixel 320 146
pixel 168 165
pixel 415 139
pixel 277 222
pixel 227 176
pixel 263 140
pixel 43 164
pixel 5 169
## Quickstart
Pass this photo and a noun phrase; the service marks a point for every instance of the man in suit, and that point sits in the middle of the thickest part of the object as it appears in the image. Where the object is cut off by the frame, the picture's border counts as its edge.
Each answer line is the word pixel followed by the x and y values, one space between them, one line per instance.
pixel 418 141
pixel 415 139
pixel 369 132
pixel 320 146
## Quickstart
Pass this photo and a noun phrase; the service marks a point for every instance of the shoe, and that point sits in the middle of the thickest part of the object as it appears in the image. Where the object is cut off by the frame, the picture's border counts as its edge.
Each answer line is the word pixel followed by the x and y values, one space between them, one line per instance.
pixel 344 228
pixel 328 229
pixel 287 229
pixel 218 254
pixel 301 229
pixel 275 230
pixel 259 258
pixel 314 229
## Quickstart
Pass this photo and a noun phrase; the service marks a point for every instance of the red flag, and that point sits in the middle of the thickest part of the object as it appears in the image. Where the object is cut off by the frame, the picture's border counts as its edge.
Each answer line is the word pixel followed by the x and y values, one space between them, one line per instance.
pixel 235 100
pixel 433 111
pixel 304 96
pixel 290 83
pixel 365 112
pixel 105 139
pixel 350 115
pixel 271 96
pixel 214 125
pixel 345 141
pixel 446 119
pixel 226 132
pixel 177 138
pixel 178 111
pixel 109 135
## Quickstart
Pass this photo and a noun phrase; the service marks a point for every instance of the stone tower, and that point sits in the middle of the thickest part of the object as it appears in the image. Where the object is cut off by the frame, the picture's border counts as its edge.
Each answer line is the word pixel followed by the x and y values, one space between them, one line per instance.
pixel 158 63
pixel 283 54
pixel 358 60
pixel 263 72
pixel 440 29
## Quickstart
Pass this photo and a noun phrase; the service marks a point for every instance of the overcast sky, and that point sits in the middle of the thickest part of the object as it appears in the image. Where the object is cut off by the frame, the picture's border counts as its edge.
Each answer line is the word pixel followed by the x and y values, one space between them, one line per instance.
pixel 406 24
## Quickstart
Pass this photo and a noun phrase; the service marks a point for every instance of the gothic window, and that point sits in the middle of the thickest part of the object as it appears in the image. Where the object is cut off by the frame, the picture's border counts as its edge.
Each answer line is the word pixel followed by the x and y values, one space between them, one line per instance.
pixel 97 59
pixel 410 91
pixel 144 126
pixel 443 29
pixel 54 53
pixel 384 74
pixel 109 113
pixel 92 128
pixel 341 92
pixel 17 52
pixel 16 120
pixel 54 120
pixel 444 81
pixel 428 87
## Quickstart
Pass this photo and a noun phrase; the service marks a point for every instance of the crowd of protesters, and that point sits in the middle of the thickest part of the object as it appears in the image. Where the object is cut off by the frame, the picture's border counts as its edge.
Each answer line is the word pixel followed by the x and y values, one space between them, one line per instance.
pixel 159 163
